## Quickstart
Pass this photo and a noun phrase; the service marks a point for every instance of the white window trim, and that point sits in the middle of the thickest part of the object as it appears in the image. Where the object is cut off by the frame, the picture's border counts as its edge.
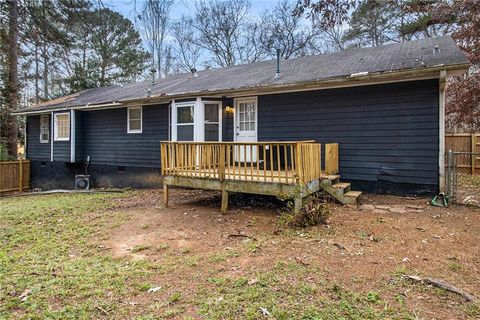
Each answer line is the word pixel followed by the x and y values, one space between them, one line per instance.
pixel 198 118
pixel 141 120
pixel 175 123
pixel 44 116
pixel 220 116
pixel 55 130
pixel 236 101
pixel 72 136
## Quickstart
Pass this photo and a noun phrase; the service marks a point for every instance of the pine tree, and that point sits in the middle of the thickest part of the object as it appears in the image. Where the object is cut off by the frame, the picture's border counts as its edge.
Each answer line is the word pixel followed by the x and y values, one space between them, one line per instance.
pixel 116 53
pixel 371 24
pixel 10 87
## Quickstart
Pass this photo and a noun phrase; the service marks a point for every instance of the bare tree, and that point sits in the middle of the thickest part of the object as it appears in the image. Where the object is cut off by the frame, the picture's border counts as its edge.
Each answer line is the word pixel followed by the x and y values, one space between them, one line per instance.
pixel 253 47
pixel 284 30
pixel 221 25
pixel 333 38
pixel 187 50
pixel 154 21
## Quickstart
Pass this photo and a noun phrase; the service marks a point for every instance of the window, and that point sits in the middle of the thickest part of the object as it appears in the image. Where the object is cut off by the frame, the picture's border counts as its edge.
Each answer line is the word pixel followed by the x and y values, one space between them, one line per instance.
pixel 246 112
pixel 44 128
pixel 185 123
pixel 134 121
pixel 62 127
pixel 212 121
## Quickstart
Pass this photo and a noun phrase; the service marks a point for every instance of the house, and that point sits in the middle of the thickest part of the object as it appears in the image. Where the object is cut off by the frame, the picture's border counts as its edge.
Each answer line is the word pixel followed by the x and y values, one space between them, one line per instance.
pixel 384 106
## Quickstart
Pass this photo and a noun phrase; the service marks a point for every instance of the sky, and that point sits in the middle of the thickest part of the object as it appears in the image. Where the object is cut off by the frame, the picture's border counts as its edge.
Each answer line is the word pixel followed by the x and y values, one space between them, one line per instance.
pixel 181 7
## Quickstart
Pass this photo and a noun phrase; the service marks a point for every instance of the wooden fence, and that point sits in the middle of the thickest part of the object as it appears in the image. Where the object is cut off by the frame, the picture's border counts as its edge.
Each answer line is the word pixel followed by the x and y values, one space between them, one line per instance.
pixel 14 175
pixel 468 143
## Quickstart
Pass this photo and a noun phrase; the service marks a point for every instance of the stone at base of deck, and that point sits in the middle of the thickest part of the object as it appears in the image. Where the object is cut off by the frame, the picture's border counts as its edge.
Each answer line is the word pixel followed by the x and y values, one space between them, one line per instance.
pixel 252 187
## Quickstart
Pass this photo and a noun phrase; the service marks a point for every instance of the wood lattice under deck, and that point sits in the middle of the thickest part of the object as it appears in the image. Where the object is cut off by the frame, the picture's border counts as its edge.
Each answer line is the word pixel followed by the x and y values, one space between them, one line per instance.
pixel 277 168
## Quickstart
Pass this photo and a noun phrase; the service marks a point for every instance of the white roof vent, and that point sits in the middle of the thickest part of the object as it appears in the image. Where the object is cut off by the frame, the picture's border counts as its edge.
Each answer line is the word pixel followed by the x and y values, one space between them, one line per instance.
pixel 359 74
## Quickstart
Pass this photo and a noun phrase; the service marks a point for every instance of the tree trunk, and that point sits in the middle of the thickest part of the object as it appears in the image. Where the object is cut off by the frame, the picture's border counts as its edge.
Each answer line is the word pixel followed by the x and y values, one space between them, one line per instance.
pixel 37 72
pixel 12 81
pixel 45 70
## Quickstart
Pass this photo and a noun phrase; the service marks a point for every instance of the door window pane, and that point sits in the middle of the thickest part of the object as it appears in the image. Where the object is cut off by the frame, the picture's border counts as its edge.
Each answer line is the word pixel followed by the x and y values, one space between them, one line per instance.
pixel 246 116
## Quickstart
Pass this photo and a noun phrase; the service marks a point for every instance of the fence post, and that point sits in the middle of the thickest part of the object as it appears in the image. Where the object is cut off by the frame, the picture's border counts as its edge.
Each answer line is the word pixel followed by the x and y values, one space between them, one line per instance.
pixel 450 173
pixel 473 140
pixel 20 175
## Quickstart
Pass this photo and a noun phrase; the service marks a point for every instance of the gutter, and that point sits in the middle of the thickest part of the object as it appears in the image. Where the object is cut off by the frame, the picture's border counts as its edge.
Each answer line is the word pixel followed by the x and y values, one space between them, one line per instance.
pixel 355 79
pixel 87 106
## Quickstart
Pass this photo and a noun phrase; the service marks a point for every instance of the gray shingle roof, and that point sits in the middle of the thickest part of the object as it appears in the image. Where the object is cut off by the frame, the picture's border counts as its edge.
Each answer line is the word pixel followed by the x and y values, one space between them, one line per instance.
pixel 389 58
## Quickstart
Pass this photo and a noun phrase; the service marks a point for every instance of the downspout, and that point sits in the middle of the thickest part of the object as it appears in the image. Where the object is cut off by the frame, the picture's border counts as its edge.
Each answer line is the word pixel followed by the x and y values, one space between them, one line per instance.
pixel 441 149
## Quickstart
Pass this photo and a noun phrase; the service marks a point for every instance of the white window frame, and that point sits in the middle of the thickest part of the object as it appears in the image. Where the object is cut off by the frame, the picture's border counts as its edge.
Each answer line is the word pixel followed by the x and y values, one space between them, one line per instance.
pixel 128 120
pixel 220 116
pixel 175 123
pixel 198 118
pixel 55 130
pixel 44 118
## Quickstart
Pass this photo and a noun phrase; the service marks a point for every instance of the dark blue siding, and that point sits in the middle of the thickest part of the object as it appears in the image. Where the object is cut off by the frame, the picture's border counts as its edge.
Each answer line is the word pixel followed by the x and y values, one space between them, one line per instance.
pixel 62 149
pixel 227 124
pixel 106 141
pixel 385 132
pixel 79 157
pixel 35 149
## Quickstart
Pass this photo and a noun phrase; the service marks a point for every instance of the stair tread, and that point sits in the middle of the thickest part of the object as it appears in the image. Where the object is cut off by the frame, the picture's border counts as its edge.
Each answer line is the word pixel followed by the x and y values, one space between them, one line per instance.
pixel 342 185
pixel 354 194
pixel 330 176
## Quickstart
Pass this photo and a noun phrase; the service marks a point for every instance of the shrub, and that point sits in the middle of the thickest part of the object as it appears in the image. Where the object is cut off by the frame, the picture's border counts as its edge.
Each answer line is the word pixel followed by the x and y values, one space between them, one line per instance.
pixel 314 211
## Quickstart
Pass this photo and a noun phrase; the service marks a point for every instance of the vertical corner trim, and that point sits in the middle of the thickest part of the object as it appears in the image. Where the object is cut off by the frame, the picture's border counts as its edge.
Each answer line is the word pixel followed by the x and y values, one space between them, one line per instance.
pixel 72 135
pixel 199 120
pixel 25 141
pixel 51 135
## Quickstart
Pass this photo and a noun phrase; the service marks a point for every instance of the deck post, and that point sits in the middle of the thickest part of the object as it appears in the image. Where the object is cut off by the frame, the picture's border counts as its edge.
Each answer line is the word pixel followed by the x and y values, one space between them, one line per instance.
pixel 165 195
pixel 221 163
pixel 224 207
pixel 297 201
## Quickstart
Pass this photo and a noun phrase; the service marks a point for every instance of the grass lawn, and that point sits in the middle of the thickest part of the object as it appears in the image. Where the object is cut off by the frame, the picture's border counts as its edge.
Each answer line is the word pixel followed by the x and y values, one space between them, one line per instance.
pixel 54 264
pixel 49 265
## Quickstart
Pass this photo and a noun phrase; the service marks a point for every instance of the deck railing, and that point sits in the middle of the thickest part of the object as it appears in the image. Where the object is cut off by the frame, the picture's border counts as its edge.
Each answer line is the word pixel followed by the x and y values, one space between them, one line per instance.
pixel 296 162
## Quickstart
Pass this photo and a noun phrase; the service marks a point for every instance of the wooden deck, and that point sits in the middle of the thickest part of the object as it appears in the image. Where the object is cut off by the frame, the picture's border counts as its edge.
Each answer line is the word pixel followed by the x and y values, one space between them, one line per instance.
pixel 280 168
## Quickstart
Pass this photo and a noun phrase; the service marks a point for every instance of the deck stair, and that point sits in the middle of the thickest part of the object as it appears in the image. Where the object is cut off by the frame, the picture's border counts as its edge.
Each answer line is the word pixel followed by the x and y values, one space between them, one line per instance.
pixel 339 190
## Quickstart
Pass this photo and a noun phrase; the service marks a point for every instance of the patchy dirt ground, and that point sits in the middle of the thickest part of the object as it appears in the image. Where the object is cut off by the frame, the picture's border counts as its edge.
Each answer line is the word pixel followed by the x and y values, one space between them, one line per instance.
pixel 365 249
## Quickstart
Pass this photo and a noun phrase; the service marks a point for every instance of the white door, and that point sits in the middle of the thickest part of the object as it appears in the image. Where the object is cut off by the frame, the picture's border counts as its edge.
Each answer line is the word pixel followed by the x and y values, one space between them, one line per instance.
pixel 246 127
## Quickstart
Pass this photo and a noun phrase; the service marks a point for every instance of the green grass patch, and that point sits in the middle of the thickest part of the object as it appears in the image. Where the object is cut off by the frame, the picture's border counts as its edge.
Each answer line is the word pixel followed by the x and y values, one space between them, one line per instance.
pixel 285 293
pixel 50 266
pixel 140 248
